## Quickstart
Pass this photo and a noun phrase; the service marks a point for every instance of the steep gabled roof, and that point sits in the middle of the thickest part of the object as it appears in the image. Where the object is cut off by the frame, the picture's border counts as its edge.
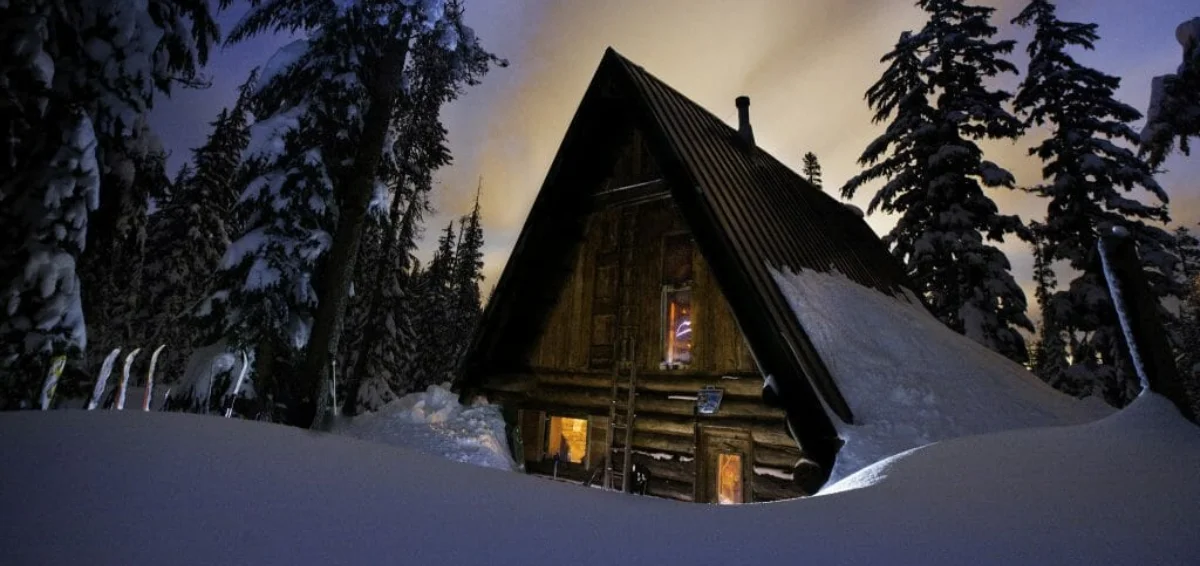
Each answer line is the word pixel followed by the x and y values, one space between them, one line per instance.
pixel 747 211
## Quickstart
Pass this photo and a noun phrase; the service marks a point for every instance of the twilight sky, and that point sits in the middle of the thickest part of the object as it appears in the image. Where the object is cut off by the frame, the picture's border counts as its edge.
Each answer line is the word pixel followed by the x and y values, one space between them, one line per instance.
pixel 804 63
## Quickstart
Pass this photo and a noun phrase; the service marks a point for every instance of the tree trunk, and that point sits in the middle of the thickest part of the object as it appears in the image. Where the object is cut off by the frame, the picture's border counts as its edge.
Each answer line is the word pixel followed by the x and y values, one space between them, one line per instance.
pixel 354 377
pixel 1149 337
pixel 343 252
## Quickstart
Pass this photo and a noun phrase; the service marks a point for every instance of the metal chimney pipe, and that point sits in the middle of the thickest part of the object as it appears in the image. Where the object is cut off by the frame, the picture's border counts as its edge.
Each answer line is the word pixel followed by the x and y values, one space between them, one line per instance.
pixel 744 129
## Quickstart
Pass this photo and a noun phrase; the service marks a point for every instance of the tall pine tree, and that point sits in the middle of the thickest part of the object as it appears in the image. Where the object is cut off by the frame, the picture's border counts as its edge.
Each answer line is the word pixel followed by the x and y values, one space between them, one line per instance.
pixel 812 170
pixel 1050 356
pixel 76 76
pixel 934 94
pixel 113 272
pixel 330 103
pixel 374 328
pixel 1174 113
pixel 1185 330
pixel 1088 178
pixel 468 274
pixel 192 229
pixel 435 317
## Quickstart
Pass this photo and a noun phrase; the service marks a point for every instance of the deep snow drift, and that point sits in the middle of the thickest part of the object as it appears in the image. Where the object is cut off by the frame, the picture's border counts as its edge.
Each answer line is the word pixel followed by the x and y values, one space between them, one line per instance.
pixel 108 487
pixel 909 379
pixel 433 422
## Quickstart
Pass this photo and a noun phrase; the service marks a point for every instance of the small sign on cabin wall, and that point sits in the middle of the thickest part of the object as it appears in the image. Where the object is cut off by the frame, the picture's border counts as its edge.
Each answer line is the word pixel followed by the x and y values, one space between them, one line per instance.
pixel 708 400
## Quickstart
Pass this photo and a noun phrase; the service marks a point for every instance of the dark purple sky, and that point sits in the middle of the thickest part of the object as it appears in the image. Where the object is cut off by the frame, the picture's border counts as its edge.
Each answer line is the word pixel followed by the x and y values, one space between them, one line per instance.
pixel 806 64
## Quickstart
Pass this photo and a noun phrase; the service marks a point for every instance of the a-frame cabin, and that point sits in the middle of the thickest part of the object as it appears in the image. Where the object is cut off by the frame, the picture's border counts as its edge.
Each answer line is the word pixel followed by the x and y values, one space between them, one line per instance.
pixel 644 267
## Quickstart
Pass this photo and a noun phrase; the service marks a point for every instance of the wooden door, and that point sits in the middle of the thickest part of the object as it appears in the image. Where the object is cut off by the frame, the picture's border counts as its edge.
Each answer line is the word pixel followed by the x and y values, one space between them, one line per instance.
pixel 724 466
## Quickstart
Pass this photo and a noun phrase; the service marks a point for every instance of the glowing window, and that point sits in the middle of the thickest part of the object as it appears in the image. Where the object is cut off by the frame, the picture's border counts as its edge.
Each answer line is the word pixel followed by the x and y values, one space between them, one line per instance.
pixel 677 327
pixel 729 479
pixel 567 439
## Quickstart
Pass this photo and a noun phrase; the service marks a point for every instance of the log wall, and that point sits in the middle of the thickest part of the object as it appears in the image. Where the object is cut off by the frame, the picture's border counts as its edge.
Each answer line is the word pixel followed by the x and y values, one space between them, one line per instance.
pixel 607 288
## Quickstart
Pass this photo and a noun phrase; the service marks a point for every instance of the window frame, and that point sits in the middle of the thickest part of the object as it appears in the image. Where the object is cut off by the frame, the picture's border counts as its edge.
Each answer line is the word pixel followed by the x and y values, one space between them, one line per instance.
pixel 548 455
pixel 664 324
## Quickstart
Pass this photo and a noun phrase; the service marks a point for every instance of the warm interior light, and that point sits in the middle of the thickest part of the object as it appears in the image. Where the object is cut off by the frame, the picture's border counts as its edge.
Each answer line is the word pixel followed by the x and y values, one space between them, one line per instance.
pixel 567 439
pixel 729 479
pixel 677 333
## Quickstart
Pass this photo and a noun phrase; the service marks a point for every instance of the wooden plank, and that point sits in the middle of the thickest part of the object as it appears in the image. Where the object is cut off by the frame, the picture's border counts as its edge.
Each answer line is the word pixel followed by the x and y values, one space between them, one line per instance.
pixel 673 469
pixel 1150 339
pixel 679 446
pixel 678 426
pixel 730 409
pixel 745 385
pixel 670 489
pixel 770 488
pixel 778 457
pixel 659 404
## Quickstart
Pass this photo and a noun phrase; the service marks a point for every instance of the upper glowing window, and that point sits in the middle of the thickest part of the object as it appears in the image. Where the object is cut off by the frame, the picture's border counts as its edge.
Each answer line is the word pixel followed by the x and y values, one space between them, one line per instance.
pixel 677 327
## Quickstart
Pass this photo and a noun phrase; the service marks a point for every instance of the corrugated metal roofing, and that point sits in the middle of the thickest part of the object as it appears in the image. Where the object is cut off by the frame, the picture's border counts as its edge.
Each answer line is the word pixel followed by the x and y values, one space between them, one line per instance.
pixel 767 215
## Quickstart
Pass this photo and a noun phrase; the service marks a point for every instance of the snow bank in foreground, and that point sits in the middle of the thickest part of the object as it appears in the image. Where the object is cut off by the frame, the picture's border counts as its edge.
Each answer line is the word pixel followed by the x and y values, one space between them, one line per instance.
pixel 433 422
pixel 83 488
pixel 909 379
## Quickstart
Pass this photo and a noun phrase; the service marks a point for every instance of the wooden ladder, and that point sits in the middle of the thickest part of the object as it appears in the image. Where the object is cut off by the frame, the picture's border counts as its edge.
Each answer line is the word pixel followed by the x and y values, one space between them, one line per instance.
pixel 621 416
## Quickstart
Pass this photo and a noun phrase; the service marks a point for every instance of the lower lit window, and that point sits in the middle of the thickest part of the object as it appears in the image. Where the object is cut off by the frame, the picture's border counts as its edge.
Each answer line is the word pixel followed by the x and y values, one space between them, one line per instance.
pixel 567 438
pixel 677 327
pixel 729 479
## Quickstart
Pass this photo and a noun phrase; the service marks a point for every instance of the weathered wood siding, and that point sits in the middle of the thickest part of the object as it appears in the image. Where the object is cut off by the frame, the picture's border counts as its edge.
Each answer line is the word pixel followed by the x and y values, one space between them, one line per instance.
pixel 616 281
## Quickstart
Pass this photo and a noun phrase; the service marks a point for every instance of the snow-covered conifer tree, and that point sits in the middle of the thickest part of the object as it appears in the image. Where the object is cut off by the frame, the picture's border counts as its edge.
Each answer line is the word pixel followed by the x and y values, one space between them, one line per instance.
pixel 379 317
pixel 1088 181
pixel 435 316
pixel 195 224
pixel 328 104
pixel 1185 329
pixel 812 170
pixel 75 77
pixel 934 95
pixel 134 173
pixel 1050 358
pixel 468 274
pixel 1174 113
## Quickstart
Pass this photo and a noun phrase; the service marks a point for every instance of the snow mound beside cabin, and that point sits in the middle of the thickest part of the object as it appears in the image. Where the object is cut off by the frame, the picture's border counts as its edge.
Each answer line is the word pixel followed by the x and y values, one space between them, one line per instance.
pixel 83 488
pixel 434 422
pixel 909 379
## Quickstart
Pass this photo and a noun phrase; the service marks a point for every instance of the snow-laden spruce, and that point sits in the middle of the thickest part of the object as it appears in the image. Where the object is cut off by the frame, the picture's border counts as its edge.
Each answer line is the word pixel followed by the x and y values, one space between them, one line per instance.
pixel 909 380
pixel 1092 178
pixel 193 227
pixel 321 159
pixel 937 107
pixel 70 122
pixel 1174 111
pixel 43 313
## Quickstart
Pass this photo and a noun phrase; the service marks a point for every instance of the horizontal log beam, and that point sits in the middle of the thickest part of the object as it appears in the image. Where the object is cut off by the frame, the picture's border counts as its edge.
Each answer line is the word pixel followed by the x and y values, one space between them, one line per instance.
pixel 777 457
pixel 670 489
pixel 678 446
pixel 683 426
pixel 673 469
pixel 770 488
pixel 749 387
pixel 764 432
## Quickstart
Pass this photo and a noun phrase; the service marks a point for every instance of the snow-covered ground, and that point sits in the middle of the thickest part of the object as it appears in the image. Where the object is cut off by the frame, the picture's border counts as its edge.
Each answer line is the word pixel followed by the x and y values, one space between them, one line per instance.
pixel 132 487
pixel 433 422
pixel 909 379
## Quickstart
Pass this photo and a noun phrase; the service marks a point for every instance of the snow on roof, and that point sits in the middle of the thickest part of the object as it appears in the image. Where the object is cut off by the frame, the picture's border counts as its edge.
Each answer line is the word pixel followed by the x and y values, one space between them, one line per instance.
pixel 170 488
pixel 909 379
